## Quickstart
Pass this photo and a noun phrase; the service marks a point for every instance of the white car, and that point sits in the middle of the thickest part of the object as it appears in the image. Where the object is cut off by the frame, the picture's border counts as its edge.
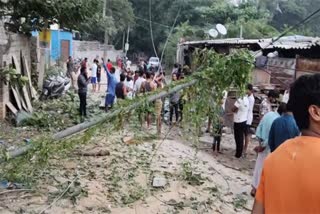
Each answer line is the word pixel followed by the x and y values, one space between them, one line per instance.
pixel 154 61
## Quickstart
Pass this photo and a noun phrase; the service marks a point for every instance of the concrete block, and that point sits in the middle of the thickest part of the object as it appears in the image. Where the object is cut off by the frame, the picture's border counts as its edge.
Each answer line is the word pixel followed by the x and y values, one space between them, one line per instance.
pixel 159 182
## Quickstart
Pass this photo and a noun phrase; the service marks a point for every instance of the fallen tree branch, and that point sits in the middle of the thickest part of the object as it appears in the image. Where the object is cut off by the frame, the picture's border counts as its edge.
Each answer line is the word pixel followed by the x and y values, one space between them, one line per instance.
pixel 84 126
pixel 16 190
pixel 98 153
pixel 101 119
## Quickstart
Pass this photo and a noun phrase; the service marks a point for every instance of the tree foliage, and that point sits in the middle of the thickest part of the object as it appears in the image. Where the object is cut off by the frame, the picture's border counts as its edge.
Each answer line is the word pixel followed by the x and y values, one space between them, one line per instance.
pixel 119 15
pixel 28 15
pixel 287 13
pixel 258 19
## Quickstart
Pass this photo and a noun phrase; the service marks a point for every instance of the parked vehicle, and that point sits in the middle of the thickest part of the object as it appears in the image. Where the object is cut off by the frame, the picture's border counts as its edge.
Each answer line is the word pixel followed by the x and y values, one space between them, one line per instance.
pixel 55 87
pixel 154 62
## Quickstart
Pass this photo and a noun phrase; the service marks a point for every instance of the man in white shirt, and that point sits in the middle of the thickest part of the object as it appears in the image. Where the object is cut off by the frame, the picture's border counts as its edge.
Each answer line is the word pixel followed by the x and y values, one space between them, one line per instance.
pixel 137 85
pixel 94 70
pixel 128 63
pixel 240 117
pixel 248 133
pixel 129 84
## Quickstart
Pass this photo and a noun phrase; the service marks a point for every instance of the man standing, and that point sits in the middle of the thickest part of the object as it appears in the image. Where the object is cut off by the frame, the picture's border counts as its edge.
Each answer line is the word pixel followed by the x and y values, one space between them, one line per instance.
pixel 94 70
pixel 174 102
pixel 240 116
pixel 121 89
pixel 147 87
pixel 266 105
pixel 263 149
pixel 70 66
pixel 129 85
pixel 109 65
pixel 128 63
pixel 283 129
pixel 71 72
pixel 250 118
pixel 289 181
pixel 139 82
pixel 83 81
pixel 98 75
pixel 111 92
pixel 84 63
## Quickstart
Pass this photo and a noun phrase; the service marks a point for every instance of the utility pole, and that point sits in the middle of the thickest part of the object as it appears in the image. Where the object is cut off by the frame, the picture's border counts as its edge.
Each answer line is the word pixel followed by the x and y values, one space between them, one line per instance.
pixel 106 37
pixel 127 43
pixel 241 31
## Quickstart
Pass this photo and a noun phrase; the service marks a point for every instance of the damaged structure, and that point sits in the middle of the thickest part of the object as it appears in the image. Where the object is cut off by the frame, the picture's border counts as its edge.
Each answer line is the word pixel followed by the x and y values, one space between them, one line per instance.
pixel 277 64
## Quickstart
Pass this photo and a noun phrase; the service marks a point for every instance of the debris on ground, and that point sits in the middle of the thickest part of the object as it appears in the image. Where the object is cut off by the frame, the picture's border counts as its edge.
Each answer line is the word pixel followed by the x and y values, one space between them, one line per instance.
pixel 94 153
pixel 177 180
pixel 159 182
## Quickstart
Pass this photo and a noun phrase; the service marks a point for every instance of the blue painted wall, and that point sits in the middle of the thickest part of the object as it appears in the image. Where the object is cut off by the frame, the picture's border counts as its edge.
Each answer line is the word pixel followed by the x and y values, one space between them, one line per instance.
pixel 56 37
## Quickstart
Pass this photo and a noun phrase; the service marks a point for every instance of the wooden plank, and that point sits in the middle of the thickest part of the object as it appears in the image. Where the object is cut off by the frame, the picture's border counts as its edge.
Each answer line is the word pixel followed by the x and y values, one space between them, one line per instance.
pixel 24 106
pixel 27 72
pixel 12 108
pixel 16 97
pixel 35 94
pixel 41 70
pixel 27 99
pixel 16 63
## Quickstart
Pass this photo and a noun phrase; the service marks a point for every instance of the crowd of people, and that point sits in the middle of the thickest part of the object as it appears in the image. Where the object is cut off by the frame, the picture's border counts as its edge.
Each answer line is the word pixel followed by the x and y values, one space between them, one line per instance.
pixel 123 84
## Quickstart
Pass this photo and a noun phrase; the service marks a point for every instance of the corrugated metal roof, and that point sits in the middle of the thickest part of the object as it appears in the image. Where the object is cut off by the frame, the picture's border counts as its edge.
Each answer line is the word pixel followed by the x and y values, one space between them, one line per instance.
pixel 290 42
pixel 234 41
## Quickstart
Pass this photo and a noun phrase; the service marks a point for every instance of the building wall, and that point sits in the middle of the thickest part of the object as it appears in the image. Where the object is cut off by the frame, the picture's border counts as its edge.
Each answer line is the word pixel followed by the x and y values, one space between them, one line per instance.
pixel 92 50
pixel 56 37
pixel 11 45
pixel 260 77
pixel 282 71
pixel 307 66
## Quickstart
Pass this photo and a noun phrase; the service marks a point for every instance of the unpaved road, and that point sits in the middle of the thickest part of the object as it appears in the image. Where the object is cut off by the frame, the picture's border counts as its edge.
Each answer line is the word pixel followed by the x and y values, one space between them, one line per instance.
pixel 121 182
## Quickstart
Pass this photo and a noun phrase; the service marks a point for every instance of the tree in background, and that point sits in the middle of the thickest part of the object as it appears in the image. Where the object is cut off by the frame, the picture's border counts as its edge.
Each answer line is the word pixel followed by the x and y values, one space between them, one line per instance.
pixel 184 30
pixel 26 16
pixel 288 13
pixel 119 15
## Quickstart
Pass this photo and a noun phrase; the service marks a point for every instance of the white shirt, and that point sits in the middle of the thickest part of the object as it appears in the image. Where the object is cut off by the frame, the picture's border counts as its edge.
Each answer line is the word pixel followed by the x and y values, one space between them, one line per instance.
pixel 94 69
pixel 225 96
pixel 138 84
pixel 117 75
pixel 250 110
pixel 128 64
pixel 129 86
pixel 285 98
pixel 243 107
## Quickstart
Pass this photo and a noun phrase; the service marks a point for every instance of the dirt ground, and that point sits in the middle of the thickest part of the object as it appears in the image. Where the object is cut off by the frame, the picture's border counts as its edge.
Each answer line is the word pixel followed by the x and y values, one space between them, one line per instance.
pixel 196 182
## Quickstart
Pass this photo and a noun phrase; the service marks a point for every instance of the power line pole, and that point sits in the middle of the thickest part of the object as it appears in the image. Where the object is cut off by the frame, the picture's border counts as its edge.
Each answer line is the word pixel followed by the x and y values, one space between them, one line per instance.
pixel 106 37
pixel 127 43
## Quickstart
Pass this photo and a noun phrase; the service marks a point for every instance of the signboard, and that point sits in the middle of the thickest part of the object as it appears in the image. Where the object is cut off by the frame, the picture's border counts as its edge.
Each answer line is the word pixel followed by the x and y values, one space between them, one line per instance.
pixel 45 38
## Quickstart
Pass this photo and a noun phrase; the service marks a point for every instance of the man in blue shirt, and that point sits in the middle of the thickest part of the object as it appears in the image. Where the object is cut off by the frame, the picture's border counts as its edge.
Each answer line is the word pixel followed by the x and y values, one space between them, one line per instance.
pixel 283 129
pixel 112 82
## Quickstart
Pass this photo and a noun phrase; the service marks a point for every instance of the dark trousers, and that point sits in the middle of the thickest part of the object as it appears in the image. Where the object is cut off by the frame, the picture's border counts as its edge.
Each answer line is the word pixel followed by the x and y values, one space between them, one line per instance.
pixel 83 104
pixel 181 110
pixel 217 139
pixel 174 108
pixel 216 143
pixel 239 133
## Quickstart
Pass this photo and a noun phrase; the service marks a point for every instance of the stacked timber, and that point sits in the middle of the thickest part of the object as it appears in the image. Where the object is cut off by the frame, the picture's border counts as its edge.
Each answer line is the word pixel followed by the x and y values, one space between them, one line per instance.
pixel 21 96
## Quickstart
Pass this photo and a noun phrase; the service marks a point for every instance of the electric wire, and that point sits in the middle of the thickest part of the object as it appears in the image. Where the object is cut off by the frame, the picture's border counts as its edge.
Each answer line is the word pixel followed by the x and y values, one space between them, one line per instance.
pixel 305 20
pixel 151 30
pixel 168 38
